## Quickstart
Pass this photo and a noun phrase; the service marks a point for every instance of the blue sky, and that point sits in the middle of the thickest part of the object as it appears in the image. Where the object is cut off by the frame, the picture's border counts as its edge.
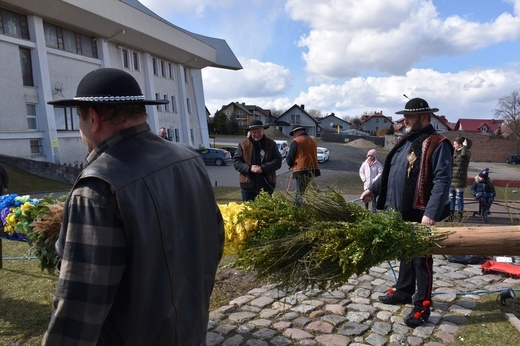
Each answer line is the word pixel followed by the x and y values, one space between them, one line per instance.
pixel 349 57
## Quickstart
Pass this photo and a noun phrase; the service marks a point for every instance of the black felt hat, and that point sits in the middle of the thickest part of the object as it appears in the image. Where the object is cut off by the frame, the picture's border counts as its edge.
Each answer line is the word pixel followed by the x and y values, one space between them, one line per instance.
pixel 297 128
pixel 417 106
pixel 107 86
pixel 256 124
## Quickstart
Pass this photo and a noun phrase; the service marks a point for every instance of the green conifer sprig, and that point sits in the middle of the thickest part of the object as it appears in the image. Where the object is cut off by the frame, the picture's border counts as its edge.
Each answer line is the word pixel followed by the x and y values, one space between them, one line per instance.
pixel 326 240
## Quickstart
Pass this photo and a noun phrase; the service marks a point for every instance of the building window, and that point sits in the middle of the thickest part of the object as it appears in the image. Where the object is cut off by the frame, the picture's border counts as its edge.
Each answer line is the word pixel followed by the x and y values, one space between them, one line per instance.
pixel 36 147
pixel 158 97
pixel 192 136
pixel 227 112
pixel 154 66
pixel 295 118
pixel 172 73
pixel 69 41
pixel 26 64
pixel 185 75
pixel 163 68
pixel 31 117
pixel 13 24
pixel 174 104
pixel 124 56
pixel 135 60
pixel 177 138
pixel 66 118
pixel 166 105
pixel 188 105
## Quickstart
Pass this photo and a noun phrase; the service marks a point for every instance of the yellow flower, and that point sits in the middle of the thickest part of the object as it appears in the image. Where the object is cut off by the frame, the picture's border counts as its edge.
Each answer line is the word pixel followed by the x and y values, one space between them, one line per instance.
pixel 26 207
pixel 235 232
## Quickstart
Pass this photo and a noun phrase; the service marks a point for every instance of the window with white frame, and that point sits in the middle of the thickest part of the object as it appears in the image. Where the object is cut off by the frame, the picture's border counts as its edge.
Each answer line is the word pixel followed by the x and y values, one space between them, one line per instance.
pixel 32 124
pixel 69 41
pixel 66 118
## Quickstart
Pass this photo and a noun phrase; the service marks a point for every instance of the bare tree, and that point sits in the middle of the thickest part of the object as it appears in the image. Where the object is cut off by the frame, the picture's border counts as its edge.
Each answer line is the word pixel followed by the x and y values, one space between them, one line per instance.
pixel 316 114
pixel 509 110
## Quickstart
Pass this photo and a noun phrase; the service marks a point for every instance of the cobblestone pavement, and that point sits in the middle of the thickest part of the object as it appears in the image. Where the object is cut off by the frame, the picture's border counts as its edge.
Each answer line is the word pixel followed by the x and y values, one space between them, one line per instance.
pixel 352 314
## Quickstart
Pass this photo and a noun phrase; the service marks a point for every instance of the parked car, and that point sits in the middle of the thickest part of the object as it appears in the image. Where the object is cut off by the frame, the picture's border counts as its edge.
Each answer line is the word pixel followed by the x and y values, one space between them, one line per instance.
pixel 232 150
pixel 513 160
pixel 214 156
pixel 323 155
pixel 283 147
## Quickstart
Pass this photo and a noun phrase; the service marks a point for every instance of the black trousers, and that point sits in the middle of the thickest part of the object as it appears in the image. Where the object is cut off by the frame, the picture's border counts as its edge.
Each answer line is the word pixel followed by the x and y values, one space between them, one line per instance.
pixel 418 271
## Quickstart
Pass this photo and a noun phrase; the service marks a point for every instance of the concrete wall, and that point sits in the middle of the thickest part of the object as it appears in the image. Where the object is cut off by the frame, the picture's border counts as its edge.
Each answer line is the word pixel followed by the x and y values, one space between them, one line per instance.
pixel 49 170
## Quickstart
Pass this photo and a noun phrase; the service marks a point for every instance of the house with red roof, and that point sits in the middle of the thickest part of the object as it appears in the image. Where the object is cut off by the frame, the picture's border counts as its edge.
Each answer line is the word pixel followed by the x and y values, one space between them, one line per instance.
pixel 375 121
pixel 481 126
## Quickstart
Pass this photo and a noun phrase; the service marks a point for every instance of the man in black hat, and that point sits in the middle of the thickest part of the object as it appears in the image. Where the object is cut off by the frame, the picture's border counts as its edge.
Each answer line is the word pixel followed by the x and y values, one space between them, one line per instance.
pixel 257 159
pixel 141 236
pixel 303 160
pixel 415 181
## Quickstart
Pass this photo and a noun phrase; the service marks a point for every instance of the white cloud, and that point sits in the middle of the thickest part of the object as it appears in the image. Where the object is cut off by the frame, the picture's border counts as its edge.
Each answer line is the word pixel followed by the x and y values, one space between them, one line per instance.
pixel 348 37
pixel 468 94
pixel 257 81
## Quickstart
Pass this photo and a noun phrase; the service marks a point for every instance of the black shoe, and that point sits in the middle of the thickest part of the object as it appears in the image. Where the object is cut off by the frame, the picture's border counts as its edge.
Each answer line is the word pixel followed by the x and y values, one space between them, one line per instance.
pixel 412 321
pixel 485 217
pixel 395 299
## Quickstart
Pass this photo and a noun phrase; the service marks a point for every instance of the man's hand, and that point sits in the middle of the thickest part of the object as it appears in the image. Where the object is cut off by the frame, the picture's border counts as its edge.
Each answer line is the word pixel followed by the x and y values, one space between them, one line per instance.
pixel 427 221
pixel 256 169
pixel 367 196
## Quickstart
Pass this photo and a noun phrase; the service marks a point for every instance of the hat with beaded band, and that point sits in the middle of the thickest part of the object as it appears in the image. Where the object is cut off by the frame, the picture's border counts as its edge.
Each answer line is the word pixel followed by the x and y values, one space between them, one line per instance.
pixel 417 106
pixel 107 86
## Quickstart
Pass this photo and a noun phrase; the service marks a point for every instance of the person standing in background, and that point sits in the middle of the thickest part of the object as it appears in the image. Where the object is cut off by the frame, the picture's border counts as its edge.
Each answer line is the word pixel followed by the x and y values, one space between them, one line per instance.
pixel 163 133
pixel 459 176
pixel 369 171
pixel 303 159
pixel 257 159
pixel 4 180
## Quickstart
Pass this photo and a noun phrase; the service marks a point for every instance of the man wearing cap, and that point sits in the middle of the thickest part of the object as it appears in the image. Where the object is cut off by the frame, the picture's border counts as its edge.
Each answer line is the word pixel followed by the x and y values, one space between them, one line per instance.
pixel 415 181
pixel 257 159
pixel 141 236
pixel 303 160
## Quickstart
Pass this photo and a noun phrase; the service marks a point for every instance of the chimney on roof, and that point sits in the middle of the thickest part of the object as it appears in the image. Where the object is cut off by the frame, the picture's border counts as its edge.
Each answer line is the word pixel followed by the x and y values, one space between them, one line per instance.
pixel 302 107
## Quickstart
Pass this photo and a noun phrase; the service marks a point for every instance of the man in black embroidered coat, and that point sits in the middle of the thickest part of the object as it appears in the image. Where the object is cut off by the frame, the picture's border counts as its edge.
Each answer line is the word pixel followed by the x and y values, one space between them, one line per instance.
pixel 415 181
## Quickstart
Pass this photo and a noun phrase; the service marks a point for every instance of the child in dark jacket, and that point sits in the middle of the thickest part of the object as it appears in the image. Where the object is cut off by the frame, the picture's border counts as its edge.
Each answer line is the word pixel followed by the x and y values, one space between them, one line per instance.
pixel 484 191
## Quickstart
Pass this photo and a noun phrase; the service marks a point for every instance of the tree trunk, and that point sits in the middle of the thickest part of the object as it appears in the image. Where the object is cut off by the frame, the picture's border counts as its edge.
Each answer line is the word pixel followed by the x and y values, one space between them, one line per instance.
pixel 490 241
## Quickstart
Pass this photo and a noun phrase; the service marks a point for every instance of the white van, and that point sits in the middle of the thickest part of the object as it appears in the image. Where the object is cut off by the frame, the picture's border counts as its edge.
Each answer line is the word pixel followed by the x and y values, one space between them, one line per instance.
pixel 283 147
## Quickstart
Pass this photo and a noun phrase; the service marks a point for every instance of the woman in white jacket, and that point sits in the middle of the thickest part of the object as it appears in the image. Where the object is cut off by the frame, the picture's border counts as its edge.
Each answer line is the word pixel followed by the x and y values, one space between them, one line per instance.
pixel 369 171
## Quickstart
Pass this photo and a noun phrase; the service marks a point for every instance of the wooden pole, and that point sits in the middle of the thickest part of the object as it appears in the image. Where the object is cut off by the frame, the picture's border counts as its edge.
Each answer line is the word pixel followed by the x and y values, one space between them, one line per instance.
pixel 488 241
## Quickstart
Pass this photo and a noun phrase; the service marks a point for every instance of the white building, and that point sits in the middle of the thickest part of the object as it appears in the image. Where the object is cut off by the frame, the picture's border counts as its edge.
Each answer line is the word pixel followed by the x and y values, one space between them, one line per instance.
pixel 47 46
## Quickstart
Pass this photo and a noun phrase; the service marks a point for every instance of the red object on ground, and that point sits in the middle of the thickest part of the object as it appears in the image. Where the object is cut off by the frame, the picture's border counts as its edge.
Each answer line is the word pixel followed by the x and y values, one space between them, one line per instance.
pixel 509 269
